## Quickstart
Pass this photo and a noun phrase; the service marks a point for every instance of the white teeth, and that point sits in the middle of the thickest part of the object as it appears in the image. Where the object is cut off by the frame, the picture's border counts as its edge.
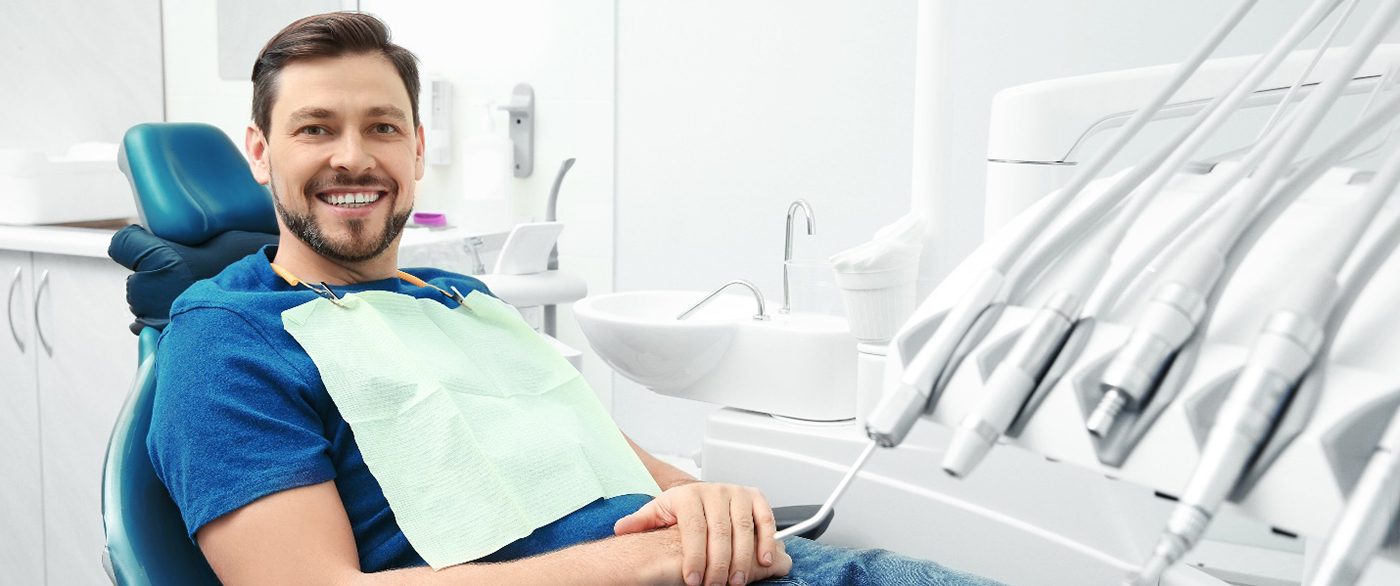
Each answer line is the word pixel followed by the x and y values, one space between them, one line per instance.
pixel 352 200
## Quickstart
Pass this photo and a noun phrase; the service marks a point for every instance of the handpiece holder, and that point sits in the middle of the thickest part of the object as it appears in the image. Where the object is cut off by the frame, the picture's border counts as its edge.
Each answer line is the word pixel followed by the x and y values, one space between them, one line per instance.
pixel 1316 446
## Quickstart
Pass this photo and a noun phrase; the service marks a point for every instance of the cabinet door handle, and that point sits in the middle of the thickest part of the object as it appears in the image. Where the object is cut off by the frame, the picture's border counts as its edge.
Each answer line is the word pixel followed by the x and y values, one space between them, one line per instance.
pixel 10 307
pixel 38 329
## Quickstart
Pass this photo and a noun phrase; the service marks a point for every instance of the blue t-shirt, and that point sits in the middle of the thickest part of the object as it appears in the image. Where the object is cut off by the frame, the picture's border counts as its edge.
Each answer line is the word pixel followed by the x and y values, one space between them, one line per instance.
pixel 240 413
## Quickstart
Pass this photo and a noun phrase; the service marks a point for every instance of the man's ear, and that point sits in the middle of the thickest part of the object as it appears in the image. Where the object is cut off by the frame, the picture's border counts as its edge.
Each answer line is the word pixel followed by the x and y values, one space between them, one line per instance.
pixel 418 164
pixel 256 144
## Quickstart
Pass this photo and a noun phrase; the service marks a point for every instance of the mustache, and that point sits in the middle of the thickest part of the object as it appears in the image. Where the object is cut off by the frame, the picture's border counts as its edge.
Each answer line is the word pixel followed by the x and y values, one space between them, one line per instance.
pixel 342 179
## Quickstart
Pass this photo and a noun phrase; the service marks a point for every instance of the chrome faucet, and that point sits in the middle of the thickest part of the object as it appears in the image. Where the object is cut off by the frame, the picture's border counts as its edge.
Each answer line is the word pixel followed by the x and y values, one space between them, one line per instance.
pixel 787 246
pixel 762 313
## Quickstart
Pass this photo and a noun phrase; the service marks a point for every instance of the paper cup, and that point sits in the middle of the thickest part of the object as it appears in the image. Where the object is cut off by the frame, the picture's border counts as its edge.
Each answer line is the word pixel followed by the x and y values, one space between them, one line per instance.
pixel 877 302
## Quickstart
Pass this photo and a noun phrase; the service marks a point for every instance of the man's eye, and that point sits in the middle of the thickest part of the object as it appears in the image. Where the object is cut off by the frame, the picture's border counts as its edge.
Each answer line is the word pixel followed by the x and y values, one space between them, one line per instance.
pixel 385 128
pixel 313 131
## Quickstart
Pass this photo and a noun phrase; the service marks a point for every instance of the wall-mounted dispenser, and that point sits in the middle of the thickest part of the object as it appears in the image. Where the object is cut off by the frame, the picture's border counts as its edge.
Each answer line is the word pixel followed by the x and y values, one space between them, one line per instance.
pixel 438 120
pixel 522 128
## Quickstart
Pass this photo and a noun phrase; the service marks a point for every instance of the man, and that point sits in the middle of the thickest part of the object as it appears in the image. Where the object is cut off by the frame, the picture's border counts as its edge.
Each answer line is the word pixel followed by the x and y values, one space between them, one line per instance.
pixel 267 473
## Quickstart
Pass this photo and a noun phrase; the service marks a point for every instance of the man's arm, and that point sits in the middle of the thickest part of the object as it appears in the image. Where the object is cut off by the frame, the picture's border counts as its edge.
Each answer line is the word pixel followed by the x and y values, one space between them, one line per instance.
pixel 302 536
pixel 666 475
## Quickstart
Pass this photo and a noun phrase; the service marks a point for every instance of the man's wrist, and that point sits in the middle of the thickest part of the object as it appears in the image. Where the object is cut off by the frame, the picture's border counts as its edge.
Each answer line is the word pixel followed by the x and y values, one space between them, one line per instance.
pixel 681 481
pixel 663 557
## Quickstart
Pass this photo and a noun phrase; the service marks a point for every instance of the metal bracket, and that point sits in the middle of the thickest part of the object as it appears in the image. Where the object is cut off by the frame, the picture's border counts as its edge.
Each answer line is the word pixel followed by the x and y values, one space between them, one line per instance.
pixel 522 128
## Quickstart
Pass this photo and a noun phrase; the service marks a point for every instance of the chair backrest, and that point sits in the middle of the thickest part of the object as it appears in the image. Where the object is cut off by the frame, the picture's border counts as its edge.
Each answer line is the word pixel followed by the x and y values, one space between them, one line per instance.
pixel 191 183
pixel 197 197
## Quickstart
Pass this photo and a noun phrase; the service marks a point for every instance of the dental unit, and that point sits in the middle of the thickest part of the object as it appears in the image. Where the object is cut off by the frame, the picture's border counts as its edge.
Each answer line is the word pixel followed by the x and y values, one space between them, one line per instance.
pixel 913 393
pixel 1292 334
pixel 1018 375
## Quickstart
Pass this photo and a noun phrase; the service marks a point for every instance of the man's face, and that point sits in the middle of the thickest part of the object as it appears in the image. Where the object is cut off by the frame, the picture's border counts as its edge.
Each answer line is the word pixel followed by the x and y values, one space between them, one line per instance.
pixel 341 155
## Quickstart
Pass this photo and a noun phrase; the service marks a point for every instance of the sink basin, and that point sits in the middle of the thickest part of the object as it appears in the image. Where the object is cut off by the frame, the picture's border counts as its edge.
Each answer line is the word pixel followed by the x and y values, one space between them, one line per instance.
pixel 796 365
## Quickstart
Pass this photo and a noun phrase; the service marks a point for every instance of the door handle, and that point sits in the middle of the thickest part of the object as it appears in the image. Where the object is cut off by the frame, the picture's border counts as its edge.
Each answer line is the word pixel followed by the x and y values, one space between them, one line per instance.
pixel 10 307
pixel 38 328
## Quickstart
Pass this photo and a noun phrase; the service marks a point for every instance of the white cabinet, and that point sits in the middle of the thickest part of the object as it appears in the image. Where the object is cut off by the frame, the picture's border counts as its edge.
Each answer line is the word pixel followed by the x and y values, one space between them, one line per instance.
pixel 67 361
pixel 21 499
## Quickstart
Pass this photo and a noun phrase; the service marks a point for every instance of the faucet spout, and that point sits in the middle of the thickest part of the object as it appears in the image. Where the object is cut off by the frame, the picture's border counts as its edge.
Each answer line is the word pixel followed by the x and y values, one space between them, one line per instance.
pixel 806 209
pixel 762 312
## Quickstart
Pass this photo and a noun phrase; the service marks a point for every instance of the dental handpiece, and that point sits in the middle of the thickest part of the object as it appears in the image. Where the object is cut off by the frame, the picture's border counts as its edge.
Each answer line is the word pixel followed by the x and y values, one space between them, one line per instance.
pixel 1166 323
pixel 1011 383
pixel 1368 517
pixel 1287 347
pixel 1284 350
pixel 1017 375
pixel 901 406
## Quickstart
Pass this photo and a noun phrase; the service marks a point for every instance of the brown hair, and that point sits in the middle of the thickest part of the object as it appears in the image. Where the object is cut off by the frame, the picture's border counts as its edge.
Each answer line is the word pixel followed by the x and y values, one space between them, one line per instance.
pixel 327 35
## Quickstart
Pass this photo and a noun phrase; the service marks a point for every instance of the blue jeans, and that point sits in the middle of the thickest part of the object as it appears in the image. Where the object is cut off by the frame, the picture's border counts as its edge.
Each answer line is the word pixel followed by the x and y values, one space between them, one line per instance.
pixel 818 564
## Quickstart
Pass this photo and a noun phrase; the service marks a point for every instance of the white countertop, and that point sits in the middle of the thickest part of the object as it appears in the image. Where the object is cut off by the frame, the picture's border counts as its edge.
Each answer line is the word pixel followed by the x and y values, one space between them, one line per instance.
pixel 57 240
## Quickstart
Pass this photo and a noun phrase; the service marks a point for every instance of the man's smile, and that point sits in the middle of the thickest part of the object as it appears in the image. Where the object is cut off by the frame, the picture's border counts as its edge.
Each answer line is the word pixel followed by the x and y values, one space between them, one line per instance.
pixel 350 199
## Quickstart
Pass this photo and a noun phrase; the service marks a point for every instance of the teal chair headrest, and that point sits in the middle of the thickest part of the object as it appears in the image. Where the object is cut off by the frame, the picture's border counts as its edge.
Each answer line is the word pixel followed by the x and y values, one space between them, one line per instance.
pixel 192 184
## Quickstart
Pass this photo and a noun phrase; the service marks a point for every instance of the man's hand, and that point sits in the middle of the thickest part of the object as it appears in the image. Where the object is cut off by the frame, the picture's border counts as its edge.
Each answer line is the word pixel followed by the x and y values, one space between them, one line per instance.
pixel 726 530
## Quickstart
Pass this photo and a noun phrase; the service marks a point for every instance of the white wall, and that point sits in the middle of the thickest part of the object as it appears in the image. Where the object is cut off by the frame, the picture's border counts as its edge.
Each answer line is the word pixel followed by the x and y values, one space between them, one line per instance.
pixel 77 71
pixel 727 112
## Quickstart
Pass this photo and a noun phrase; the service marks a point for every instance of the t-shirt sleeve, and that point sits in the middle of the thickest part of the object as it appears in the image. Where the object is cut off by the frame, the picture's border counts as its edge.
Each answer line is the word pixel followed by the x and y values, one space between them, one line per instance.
pixel 231 421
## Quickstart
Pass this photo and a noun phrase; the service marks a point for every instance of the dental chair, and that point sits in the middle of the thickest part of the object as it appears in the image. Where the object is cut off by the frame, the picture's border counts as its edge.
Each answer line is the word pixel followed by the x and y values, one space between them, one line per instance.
pixel 200 210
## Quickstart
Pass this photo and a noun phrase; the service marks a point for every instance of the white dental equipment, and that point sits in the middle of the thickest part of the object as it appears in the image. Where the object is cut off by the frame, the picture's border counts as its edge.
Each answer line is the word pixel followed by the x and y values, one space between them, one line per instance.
pixel 1292 335
pixel 1177 307
pixel 933 341
pixel 1372 508
pixel 1012 382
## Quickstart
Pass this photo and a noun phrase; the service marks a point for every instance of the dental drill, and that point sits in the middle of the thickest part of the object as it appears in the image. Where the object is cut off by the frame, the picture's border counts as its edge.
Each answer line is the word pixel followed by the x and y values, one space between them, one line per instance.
pixel 1174 312
pixel 913 392
pixel 1293 334
pixel 1017 376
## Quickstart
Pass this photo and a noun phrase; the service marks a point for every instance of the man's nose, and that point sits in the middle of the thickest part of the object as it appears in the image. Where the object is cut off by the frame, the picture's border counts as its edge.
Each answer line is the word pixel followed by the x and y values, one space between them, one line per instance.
pixel 351 156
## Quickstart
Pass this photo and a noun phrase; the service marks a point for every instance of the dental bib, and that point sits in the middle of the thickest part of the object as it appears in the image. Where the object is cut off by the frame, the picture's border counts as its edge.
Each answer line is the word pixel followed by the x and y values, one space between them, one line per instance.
pixel 477 431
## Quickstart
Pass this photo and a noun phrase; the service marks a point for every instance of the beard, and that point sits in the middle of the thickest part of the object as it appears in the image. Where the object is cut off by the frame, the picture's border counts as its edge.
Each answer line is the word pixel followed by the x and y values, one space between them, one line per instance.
pixel 362 245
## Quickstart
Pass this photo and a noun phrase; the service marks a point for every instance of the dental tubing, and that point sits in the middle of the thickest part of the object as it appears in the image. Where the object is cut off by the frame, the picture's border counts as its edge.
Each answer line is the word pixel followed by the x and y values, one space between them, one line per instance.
pixel 1176 308
pixel 1372 508
pixel 901 406
pixel 830 504
pixel 1016 377
pixel 1153 174
pixel 1277 116
pixel 1292 335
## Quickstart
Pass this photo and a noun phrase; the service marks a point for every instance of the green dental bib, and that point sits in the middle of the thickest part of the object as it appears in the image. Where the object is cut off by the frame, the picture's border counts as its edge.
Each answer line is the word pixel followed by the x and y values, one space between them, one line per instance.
pixel 476 429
